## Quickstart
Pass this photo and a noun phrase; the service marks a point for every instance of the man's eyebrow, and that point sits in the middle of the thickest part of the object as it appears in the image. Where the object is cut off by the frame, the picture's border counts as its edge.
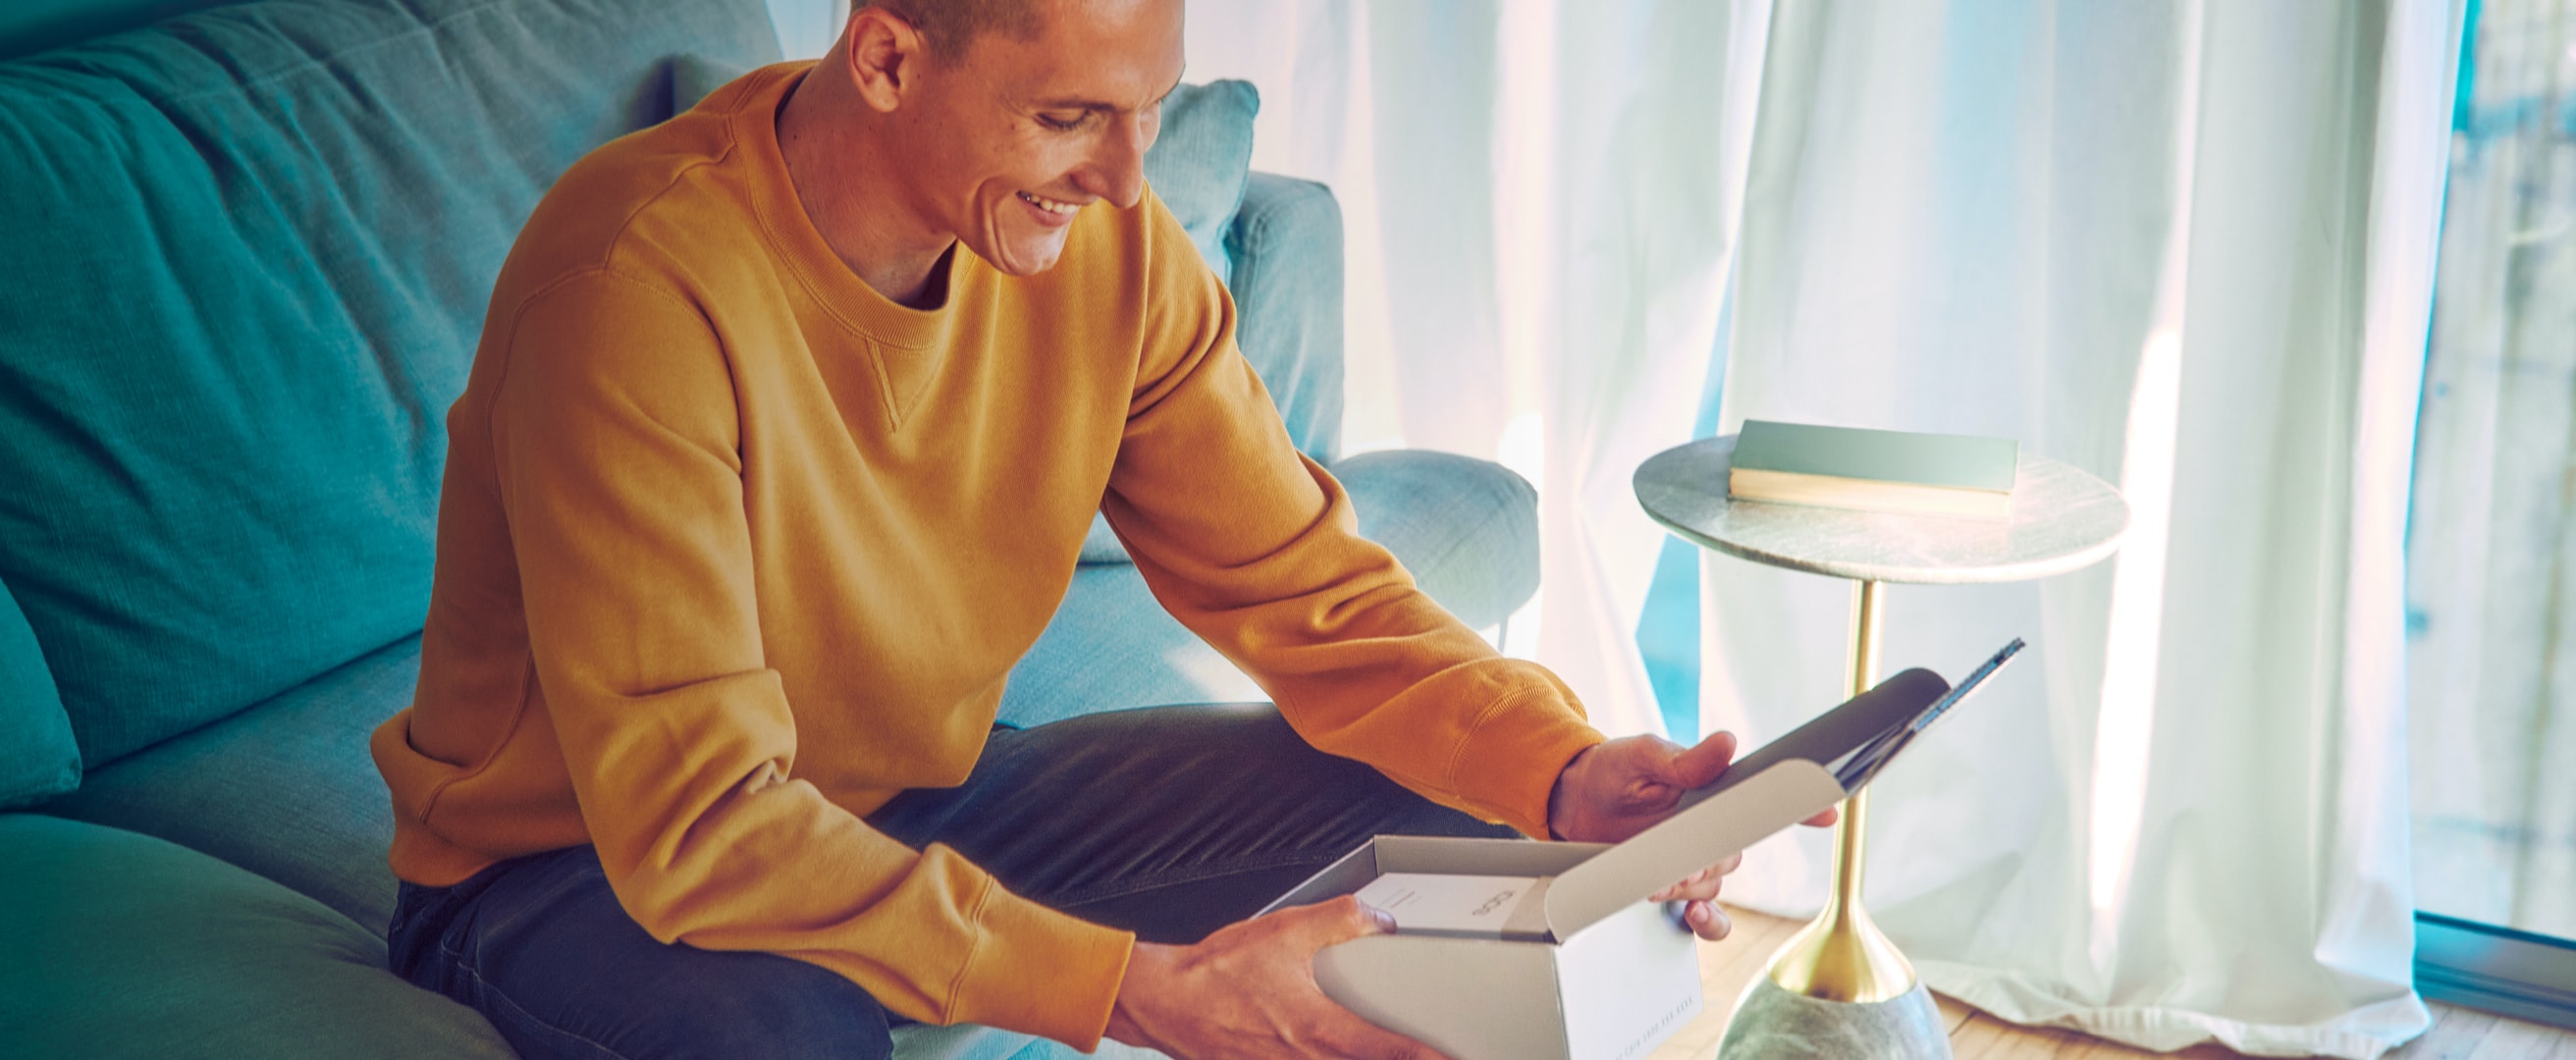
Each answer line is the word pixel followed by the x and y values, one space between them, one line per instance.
pixel 1093 104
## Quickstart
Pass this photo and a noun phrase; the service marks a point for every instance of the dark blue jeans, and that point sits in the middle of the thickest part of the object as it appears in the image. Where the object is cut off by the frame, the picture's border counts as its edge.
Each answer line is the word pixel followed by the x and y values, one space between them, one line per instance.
pixel 1169 822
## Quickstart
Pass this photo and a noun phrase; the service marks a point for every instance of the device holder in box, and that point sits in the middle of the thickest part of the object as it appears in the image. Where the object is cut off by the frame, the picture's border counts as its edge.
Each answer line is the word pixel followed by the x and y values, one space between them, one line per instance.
pixel 1573 963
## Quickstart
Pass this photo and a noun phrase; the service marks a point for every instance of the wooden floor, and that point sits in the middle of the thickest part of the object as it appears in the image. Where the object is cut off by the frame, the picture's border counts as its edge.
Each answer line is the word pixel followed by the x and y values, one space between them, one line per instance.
pixel 2457 1034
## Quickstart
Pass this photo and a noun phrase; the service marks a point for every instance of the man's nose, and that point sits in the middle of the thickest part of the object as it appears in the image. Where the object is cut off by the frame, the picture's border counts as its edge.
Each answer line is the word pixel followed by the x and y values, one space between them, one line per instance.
pixel 1117 169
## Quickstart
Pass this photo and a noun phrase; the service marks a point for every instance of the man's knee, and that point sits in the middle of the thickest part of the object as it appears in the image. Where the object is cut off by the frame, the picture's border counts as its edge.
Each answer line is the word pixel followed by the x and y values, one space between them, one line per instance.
pixel 776 1006
pixel 545 952
pixel 697 1005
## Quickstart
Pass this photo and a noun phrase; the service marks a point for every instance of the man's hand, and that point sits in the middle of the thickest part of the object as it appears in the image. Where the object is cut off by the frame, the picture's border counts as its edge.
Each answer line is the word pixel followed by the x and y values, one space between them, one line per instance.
pixel 1249 991
pixel 1617 789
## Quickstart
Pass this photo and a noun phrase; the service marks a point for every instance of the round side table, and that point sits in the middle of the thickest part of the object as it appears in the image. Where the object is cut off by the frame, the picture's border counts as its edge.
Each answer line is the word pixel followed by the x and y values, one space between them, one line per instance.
pixel 1840 987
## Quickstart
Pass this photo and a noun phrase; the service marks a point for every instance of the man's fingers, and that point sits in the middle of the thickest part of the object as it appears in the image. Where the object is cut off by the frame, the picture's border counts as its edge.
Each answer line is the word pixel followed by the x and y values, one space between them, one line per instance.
pixel 1340 920
pixel 1702 885
pixel 1681 890
pixel 1691 883
pixel 1826 818
pixel 1702 762
pixel 1707 921
pixel 1690 891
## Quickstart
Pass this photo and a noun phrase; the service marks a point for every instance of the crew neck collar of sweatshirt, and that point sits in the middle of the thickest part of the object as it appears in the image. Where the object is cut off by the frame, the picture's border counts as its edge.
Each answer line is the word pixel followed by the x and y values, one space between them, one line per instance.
pixel 791 231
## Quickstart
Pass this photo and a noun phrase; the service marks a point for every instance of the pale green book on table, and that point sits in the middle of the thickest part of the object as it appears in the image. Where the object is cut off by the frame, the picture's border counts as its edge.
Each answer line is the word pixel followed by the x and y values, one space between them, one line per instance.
pixel 1874 471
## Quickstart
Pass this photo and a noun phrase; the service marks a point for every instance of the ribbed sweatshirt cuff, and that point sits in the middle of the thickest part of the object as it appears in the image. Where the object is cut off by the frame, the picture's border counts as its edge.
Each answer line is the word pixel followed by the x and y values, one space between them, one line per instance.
pixel 1510 760
pixel 1041 972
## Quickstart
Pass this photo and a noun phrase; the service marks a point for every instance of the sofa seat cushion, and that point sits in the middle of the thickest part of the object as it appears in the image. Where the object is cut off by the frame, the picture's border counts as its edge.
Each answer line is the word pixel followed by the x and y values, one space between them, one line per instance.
pixel 1466 529
pixel 37 756
pixel 285 789
pixel 1112 646
pixel 964 1041
pixel 248 255
pixel 114 944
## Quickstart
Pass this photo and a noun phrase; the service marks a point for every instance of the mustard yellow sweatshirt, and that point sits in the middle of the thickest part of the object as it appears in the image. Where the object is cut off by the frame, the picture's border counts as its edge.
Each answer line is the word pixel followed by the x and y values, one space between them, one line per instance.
pixel 731 550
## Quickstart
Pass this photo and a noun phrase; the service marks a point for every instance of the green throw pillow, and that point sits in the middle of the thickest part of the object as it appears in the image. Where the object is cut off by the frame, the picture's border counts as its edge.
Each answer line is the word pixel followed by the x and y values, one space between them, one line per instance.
pixel 37 757
pixel 114 944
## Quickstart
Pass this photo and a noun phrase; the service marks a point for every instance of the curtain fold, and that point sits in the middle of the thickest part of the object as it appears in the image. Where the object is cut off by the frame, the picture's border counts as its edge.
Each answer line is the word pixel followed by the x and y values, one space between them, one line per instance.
pixel 2187 247
pixel 1656 106
pixel 1435 130
pixel 1541 200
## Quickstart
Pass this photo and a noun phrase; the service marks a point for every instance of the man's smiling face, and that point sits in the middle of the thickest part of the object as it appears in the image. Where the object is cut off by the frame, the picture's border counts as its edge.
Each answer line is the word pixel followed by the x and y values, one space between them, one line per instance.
pixel 1005 144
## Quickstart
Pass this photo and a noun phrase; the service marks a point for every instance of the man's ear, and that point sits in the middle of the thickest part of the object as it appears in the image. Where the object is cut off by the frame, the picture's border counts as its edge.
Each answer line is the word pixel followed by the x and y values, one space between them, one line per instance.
pixel 885 53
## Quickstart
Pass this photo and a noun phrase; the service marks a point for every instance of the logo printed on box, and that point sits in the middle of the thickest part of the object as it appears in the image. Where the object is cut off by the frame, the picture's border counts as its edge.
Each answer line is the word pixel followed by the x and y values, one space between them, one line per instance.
pixel 1654 1035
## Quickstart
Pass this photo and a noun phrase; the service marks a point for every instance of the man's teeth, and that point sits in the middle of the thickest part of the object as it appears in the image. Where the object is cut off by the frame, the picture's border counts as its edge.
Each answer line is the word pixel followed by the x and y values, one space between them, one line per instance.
pixel 1049 205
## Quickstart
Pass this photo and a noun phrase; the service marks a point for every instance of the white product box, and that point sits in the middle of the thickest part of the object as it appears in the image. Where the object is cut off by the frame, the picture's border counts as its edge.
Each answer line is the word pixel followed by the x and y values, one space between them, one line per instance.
pixel 1553 953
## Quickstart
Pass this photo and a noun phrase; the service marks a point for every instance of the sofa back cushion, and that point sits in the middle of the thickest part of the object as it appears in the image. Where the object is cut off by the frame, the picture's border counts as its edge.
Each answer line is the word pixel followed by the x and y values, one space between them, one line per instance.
pixel 37 757
pixel 28 26
pixel 248 255
pixel 1199 164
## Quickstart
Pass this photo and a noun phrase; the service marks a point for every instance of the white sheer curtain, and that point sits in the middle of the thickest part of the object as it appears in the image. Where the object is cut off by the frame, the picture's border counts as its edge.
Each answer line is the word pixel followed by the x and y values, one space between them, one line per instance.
pixel 1541 201
pixel 2186 245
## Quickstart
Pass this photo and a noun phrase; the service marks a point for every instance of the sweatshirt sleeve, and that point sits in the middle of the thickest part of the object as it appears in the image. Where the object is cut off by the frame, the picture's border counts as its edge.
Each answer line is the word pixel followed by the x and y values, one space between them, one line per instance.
pixel 1254 547
pixel 617 445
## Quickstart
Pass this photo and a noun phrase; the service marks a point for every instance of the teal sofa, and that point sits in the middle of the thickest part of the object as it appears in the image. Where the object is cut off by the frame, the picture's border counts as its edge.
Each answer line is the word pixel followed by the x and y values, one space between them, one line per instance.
pixel 244 256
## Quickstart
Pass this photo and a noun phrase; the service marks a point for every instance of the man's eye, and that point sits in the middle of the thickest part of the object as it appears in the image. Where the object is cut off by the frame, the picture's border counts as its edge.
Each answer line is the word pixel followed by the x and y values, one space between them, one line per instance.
pixel 1061 124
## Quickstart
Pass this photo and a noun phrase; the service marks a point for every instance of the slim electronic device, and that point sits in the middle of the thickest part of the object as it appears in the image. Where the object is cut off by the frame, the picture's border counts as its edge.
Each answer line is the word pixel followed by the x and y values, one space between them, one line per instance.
pixel 1856 740
pixel 1873 756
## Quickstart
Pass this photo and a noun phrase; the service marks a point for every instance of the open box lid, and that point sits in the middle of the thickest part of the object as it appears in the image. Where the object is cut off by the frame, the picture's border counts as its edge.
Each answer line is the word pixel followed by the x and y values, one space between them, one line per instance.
pixel 1572 886
pixel 1787 781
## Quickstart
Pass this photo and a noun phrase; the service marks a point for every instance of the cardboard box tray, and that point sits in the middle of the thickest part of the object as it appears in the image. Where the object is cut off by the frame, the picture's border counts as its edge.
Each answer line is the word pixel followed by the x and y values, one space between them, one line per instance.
pixel 1582 967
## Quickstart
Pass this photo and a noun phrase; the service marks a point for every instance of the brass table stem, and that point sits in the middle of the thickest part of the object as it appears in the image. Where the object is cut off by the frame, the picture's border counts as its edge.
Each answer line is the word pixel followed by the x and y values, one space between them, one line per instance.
pixel 1842 956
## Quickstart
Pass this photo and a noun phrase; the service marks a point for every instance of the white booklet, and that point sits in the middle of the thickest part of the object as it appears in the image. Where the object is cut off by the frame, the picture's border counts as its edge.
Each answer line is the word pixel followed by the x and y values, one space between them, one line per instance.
pixel 1425 903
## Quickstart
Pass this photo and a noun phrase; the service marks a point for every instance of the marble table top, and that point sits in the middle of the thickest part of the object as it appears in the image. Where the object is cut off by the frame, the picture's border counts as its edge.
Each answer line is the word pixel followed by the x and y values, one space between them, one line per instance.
pixel 2063 519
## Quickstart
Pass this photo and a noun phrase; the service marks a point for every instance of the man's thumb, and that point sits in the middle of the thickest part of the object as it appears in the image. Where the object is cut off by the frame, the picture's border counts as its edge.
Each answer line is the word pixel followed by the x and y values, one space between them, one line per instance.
pixel 1699 765
pixel 1341 920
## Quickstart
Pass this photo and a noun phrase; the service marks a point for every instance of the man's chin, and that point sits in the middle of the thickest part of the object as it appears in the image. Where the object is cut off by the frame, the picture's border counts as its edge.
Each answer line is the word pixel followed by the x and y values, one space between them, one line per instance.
pixel 1027 257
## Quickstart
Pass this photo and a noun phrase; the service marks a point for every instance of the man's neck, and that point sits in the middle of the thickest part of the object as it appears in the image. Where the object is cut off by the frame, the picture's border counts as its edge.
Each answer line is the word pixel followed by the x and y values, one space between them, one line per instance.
pixel 833 169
